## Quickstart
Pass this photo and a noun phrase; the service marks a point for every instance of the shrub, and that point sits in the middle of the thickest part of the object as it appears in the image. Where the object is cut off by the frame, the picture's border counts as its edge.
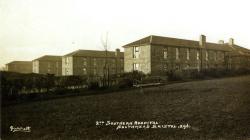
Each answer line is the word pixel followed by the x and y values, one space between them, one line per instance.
pixel 125 83
pixel 175 75
pixel 93 85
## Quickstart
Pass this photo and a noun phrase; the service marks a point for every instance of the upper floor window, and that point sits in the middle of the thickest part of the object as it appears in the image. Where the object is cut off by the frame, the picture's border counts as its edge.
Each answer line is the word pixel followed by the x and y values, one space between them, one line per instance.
pixel 177 53
pixel 198 55
pixel 67 60
pixel 215 56
pixel 84 61
pixel 206 56
pixel 135 52
pixel 188 53
pixel 94 61
pixel 165 53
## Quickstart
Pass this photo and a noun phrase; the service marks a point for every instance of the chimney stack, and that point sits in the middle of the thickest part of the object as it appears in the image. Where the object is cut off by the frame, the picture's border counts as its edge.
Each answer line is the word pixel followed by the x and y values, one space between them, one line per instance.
pixel 202 41
pixel 117 51
pixel 231 41
pixel 221 41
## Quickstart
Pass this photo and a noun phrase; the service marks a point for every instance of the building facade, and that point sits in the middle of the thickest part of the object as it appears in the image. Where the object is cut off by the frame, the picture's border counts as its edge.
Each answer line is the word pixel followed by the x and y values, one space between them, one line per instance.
pixel 158 55
pixel 48 64
pixel 93 63
pixel 19 66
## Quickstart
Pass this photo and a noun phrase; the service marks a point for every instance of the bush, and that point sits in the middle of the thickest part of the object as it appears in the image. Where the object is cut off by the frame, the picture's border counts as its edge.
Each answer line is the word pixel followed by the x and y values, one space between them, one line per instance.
pixel 125 83
pixel 94 85
pixel 175 75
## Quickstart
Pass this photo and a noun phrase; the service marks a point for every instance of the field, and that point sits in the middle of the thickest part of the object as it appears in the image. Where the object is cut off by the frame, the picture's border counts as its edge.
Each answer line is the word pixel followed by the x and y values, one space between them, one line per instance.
pixel 215 109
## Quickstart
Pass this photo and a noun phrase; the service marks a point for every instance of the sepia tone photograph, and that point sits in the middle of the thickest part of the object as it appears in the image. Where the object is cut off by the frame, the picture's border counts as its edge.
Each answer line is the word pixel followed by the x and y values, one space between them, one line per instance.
pixel 124 70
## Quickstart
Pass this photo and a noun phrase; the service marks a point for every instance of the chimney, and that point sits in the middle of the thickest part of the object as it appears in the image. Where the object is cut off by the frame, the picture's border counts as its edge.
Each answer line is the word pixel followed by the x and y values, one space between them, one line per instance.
pixel 231 41
pixel 202 41
pixel 117 51
pixel 221 41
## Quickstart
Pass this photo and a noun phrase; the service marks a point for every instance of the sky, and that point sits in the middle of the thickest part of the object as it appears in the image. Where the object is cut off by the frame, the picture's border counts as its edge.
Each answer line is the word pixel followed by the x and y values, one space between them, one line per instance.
pixel 32 28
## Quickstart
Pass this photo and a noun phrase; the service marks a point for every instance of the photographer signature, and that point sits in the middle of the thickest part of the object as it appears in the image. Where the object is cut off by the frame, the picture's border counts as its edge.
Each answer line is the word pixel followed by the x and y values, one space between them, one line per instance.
pixel 20 129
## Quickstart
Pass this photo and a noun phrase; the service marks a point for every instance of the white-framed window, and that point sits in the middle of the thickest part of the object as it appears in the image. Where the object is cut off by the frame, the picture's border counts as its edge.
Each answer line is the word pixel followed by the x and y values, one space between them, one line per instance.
pixel 165 67
pixel 67 60
pixel 188 53
pixel 84 71
pixel 66 71
pixel 94 71
pixel 165 53
pixel 136 52
pixel 49 66
pixel 135 66
pixel 177 53
pixel 215 56
pixel 84 61
pixel 198 55
pixel 206 55
pixel 94 61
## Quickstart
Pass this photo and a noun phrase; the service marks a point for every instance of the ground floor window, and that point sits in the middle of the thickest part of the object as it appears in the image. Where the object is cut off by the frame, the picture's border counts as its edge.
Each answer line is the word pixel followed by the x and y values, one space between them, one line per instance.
pixel 135 66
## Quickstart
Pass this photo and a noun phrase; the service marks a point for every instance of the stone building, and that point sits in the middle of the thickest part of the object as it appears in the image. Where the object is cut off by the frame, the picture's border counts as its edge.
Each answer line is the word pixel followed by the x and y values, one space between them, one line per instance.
pixel 239 58
pixel 92 63
pixel 19 66
pixel 158 55
pixel 48 64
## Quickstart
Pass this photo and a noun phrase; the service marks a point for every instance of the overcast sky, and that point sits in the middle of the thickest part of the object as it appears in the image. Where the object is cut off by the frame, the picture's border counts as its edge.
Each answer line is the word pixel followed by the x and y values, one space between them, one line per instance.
pixel 32 28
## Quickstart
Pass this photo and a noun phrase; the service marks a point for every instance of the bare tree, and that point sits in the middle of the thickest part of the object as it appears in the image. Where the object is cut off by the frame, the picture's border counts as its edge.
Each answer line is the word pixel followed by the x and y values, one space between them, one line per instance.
pixel 106 66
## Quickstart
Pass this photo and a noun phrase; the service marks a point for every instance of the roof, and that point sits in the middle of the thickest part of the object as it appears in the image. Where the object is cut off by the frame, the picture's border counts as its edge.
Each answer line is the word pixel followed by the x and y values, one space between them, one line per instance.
pixel 159 40
pixel 95 53
pixel 50 58
pixel 240 51
pixel 19 62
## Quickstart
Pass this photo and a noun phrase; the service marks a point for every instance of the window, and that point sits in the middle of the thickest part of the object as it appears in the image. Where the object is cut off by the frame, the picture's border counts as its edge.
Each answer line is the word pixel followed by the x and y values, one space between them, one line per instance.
pixel 94 71
pixel 135 66
pixel 66 71
pixel 165 53
pixel 121 62
pixel 67 61
pixel 165 67
pixel 135 52
pixel 94 61
pixel 198 55
pixel 206 56
pixel 48 67
pixel 84 71
pixel 188 53
pixel 84 61
pixel 177 53
pixel 215 56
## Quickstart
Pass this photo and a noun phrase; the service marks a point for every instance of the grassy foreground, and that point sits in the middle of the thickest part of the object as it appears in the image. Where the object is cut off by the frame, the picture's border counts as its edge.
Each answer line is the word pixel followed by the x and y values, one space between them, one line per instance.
pixel 215 109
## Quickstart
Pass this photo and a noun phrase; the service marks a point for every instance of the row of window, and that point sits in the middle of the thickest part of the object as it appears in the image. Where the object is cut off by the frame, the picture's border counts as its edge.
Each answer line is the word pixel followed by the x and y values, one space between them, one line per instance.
pixel 198 52
pixel 84 61
pixel 177 53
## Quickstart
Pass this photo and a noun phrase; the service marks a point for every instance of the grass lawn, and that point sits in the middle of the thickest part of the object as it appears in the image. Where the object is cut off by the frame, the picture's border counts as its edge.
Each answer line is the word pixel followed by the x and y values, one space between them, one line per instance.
pixel 215 109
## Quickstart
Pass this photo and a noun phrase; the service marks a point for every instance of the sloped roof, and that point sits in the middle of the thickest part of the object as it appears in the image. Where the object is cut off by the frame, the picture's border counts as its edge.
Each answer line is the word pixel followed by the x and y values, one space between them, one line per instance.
pixel 159 40
pixel 50 58
pixel 95 53
pixel 240 51
pixel 19 62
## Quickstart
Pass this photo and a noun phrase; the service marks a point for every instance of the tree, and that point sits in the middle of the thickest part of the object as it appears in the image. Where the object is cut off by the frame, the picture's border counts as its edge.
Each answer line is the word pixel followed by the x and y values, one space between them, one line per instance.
pixel 106 78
